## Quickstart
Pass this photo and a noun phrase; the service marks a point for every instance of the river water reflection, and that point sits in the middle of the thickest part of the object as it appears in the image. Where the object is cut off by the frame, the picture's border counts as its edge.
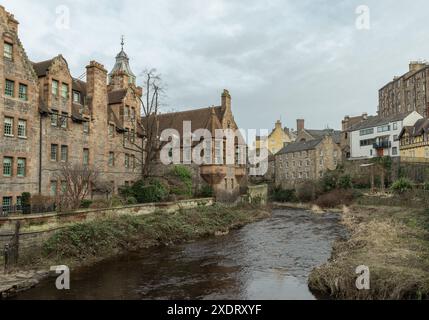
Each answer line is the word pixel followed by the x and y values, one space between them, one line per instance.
pixel 270 259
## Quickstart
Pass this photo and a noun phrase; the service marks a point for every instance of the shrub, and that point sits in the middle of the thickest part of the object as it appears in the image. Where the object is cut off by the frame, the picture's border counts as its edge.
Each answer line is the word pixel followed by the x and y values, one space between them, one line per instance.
pixel 131 200
pixel 345 182
pixel 26 202
pixel 402 185
pixel 329 181
pixel 426 186
pixel 85 204
pixel 284 195
pixel 206 192
pixel 180 181
pixel 335 198
pixel 146 191
pixel 306 191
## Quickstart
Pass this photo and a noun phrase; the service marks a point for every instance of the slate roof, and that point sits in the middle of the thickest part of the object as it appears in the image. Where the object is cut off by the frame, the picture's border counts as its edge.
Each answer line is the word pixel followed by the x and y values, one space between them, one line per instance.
pixel 420 127
pixel 376 121
pixel 117 96
pixel 300 146
pixel 318 134
pixel 41 68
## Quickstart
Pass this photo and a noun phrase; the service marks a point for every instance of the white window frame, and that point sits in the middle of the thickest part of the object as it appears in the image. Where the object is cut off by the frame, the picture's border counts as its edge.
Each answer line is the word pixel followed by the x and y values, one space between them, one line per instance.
pixel 8 126
pixel 22 128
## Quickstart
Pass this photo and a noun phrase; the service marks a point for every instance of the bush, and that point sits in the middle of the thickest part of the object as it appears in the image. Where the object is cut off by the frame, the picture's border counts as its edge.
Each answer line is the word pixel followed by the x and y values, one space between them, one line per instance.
pixel 131 201
pixel 147 191
pixel 345 182
pixel 306 191
pixel 85 204
pixel 426 186
pixel 206 192
pixel 402 185
pixel 180 181
pixel 284 195
pixel 335 198
pixel 26 202
pixel 329 181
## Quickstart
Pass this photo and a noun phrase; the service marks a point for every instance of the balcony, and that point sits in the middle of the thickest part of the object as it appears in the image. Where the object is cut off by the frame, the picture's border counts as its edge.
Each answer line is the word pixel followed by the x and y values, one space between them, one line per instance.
pixel 213 174
pixel 382 145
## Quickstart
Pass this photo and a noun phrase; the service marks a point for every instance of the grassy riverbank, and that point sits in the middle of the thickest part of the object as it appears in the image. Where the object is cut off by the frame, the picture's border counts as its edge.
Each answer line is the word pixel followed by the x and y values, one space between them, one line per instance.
pixel 85 242
pixel 393 242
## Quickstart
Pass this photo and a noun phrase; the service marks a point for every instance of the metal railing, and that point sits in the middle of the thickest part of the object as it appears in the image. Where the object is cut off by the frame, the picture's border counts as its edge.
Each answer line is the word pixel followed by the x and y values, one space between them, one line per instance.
pixel 382 145
pixel 6 211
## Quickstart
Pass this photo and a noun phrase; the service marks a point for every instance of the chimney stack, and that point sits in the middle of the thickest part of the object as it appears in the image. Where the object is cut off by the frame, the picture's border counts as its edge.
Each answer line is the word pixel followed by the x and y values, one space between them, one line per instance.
pixel 365 116
pixel 300 125
pixel 226 100
pixel 278 124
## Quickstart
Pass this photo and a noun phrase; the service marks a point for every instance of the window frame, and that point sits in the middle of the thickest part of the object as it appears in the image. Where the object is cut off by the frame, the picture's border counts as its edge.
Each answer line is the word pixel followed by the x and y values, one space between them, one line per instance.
pixel 9 126
pixel 23 92
pixel 10 167
pixel 22 128
pixel 54 147
pixel 6 54
pixel 55 88
pixel 19 168
pixel 9 92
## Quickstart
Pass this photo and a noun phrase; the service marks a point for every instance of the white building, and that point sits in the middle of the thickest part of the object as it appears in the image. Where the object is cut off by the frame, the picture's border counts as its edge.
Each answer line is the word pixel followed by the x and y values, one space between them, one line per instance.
pixel 377 136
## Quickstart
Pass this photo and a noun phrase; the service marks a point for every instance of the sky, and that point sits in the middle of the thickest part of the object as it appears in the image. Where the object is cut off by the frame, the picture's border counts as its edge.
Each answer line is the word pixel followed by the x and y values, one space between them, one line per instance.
pixel 280 59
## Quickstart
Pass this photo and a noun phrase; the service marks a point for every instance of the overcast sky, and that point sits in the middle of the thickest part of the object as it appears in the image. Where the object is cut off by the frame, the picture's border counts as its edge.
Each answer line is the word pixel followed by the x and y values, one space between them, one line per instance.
pixel 279 58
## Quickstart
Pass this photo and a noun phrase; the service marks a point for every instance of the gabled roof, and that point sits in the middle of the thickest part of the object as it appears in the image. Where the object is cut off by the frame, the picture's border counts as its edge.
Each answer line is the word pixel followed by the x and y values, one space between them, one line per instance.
pixel 200 119
pixel 419 128
pixel 300 146
pixel 41 68
pixel 376 121
pixel 117 96
pixel 318 134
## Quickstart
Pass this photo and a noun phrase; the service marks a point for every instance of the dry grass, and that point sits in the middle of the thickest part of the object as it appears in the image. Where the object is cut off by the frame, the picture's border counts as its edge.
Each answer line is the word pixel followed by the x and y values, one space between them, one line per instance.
pixel 392 242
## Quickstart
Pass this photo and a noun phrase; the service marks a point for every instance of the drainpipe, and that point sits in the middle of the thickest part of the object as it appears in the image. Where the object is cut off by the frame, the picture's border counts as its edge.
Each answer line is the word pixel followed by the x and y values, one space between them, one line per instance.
pixel 40 153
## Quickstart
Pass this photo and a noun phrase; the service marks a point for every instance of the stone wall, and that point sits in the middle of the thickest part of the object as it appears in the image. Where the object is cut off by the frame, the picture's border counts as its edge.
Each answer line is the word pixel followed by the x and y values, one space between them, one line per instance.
pixel 37 228
pixel 258 195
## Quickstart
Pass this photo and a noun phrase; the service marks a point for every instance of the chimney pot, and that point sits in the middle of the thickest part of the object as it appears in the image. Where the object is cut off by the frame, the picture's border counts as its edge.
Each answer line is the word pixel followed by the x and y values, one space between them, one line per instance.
pixel 300 125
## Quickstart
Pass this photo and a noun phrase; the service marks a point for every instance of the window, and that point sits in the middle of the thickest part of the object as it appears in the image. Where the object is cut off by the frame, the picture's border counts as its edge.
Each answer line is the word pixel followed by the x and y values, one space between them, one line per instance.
pixel 55 86
pixel 232 183
pixel 54 118
pixel 54 187
pixel 63 120
pixel 54 152
pixel 384 128
pixel 7 166
pixel 22 128
pixel 21 167
pixel 85 156
pixel 9 88
pixel 218 152
pixel 64 153
pixel 394 151
pixel 86 127
pixel 7 204
pixel 368 142
pixel 395 126
pixel 76 96
pixel 427 152
pixel 127 111
pixel 23 92
pixel 64 90
pixel 111 159
pixel 133 113
pixel 19 203
pixel 127 160
pixel 226 184
pixel 133 135
pixel 365 132
pixel 8 50
pixel 8 126
pixel 111 130
pixel 133 161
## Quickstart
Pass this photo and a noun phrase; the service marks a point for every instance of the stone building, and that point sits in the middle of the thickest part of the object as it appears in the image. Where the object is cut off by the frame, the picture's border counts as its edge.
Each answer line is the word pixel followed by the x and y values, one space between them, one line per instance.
pixel 227 180
pixel 406 93
pixel 277 138
pixel 306 160
pixel 49 119
pixel 304 134
pixel 346 125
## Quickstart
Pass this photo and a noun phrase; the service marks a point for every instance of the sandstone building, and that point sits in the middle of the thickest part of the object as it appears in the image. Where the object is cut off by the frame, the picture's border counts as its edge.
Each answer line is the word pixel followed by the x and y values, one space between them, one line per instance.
pixel 306 160
pixel 48 119
pixel 406 93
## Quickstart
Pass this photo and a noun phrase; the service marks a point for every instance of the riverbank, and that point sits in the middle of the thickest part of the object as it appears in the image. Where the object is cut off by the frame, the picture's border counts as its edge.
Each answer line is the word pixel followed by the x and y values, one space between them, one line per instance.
pixel 83 244
pixel 392 241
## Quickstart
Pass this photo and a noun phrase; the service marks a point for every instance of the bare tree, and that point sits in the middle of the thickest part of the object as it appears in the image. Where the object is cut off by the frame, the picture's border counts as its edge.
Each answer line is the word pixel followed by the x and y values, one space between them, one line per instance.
pixel 148 146
pixel 77 181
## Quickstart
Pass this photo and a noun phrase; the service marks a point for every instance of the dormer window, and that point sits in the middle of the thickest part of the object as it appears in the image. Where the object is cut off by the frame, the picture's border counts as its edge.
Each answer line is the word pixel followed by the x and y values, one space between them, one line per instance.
pixel 76 97
pixel 64 91
pixel 8 50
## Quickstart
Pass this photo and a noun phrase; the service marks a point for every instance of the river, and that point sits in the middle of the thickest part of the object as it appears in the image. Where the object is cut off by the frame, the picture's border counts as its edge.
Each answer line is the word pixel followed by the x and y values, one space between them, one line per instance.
pixel 268 260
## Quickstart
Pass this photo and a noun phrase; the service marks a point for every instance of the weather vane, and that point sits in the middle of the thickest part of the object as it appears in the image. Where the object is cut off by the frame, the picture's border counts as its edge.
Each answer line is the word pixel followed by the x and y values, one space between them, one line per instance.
pixel 122 41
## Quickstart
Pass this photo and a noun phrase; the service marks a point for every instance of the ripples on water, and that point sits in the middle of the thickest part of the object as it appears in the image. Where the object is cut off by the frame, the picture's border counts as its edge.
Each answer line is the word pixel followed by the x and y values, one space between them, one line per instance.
pixel 267 260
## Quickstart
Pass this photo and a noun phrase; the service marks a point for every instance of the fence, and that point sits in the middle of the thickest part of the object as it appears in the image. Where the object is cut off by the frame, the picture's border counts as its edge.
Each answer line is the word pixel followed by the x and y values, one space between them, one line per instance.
pixel 5 211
